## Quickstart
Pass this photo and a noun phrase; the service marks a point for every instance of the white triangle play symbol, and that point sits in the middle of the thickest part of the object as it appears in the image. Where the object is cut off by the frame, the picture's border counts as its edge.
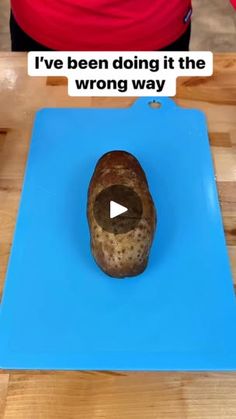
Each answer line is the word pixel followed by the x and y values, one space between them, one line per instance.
pixel 116 209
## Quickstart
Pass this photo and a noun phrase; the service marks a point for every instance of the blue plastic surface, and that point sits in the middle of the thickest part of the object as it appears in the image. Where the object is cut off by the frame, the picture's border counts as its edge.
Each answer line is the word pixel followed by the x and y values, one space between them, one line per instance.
pixel 59 310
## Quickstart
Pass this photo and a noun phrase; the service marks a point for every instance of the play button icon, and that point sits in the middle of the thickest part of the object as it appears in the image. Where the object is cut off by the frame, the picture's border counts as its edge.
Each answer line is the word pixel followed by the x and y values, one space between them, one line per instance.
pixel 118 209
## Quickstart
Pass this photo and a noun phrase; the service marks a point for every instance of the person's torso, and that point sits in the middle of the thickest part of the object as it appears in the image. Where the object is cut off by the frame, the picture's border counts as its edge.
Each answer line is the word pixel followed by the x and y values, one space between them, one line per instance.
pixel 103 24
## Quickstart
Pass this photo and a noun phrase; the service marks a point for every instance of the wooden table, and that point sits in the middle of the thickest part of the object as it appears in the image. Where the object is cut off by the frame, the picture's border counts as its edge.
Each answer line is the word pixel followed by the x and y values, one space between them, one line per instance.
pixel 113 395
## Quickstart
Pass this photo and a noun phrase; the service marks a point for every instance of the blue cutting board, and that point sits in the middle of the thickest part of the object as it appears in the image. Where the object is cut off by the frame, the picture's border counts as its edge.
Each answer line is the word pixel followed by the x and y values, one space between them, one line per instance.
pixel 59 310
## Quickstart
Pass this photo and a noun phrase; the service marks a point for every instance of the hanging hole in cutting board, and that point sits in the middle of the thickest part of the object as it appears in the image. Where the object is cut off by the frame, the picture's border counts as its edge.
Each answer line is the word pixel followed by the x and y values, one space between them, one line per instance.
pixel 155 104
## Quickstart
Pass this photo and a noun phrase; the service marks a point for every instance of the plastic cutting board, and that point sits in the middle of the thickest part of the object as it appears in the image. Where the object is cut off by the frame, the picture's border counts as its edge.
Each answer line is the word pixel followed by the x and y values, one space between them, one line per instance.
pixel 59 310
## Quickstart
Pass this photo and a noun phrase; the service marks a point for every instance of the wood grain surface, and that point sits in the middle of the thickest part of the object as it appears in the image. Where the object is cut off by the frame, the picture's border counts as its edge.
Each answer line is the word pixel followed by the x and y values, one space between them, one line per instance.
pixel 113 395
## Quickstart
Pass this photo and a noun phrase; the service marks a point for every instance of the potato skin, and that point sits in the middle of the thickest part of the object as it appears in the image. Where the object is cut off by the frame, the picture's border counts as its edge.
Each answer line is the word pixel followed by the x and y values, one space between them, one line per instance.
pixel 121 255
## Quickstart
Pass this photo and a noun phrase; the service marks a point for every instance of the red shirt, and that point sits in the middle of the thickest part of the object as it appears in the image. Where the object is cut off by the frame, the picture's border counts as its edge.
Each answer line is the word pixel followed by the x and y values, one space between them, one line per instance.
pixel 87 25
